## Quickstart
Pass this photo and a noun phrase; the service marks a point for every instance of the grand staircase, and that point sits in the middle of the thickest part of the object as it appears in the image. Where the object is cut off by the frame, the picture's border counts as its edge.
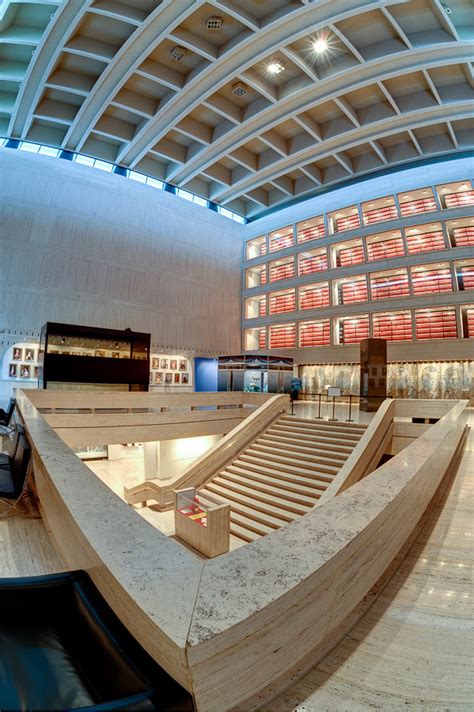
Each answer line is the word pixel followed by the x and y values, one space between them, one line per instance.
pixel 282 474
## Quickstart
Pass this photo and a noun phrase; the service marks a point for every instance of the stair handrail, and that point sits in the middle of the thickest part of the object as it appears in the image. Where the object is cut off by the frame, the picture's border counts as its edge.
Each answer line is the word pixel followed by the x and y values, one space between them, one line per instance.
pixel 367 453
pixel 213 460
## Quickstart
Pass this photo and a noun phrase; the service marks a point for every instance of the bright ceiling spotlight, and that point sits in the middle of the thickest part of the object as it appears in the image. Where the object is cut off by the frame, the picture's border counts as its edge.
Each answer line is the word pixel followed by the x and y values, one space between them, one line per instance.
pixel 275 67
pixel 320 45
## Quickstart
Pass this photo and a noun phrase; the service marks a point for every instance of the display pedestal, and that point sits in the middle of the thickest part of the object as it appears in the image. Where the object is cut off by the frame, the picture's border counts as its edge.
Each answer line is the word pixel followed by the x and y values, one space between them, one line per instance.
pixel 373 374
pixel 202 521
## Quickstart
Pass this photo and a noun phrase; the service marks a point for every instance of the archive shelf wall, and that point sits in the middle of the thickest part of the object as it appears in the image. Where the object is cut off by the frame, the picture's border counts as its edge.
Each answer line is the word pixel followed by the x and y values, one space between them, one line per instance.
pixel 341 250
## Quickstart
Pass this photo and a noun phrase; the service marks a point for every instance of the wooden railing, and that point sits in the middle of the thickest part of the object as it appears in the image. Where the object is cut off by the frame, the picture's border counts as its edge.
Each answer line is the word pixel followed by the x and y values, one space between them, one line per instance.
pixel 214 459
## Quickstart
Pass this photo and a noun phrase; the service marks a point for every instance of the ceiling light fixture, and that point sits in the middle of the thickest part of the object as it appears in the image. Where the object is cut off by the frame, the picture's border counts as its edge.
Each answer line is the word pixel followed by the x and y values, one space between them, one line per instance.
pixel 214 23
pixel 275 67
pixel 239 89
pixel 177 53
pixel 320 45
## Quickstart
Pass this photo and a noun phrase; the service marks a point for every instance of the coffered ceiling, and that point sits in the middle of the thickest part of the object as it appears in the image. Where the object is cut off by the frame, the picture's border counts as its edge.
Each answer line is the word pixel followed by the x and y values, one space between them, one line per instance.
pixel 249 103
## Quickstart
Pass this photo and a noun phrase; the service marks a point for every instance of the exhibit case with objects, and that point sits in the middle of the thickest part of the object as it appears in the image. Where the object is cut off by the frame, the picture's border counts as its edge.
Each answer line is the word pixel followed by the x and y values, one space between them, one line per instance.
pixel 73 356
pixel 202 521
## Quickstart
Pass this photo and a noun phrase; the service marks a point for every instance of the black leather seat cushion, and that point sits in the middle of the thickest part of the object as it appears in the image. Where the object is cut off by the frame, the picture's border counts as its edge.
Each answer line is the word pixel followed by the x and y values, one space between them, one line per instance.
pixel 62 648
pixel 7 488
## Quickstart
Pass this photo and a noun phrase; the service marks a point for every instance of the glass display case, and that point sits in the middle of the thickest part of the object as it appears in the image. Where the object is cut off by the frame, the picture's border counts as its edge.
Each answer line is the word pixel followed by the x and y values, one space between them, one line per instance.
pixel 202 521
pixel 83 355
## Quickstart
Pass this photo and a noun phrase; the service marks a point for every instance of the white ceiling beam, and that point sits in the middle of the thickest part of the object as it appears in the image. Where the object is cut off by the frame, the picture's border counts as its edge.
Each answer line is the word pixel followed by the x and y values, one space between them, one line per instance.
pixel 275 141
pixel 444 19
pixel 398 29
pixel 167 148
pixel 299 61
pixel 225 108
pixel 134 52
pixel 63 24
pixel 195 130
pixel 415 141
pixel 356 136
pixel 346 41
pixel 246 158
pixel 376 145
pixel 161 73
pixel 355 78
pixel 118 11
pixel 389 97
pixel 312 172
pixel 249 52
pixel 284 184
pixel 260 85
pixel 309 125
pixel 345 161
pixel 237 13
pixel 431 85
pixel 452 134
pixel 194 43
pixel 347 109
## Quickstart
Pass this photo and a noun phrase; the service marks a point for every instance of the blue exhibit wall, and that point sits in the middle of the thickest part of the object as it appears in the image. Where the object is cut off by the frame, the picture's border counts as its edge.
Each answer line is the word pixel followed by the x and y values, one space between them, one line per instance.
pixel 205 374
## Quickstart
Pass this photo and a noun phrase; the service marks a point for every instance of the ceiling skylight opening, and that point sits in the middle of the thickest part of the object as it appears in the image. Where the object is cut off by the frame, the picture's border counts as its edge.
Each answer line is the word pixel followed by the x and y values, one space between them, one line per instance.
pixel 275 67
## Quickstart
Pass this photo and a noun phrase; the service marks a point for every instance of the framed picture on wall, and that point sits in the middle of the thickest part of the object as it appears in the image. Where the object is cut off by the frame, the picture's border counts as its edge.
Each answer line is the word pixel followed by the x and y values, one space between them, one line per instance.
pixel 17 354
pixel 176 377
pixel 29 354
pixel 12 370
pixel 115 354
pixel 159 377
pixel 164 363
pixel 155 362
pixel 100 353
pixel 25 372
pixel 168 378
pixel 174 364
pixel 36 371
pixel 185 378
pixel 183 365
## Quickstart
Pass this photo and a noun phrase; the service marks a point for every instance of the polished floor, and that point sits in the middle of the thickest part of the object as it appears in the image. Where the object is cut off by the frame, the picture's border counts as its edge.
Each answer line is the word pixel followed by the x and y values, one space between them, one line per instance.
pixel 414 648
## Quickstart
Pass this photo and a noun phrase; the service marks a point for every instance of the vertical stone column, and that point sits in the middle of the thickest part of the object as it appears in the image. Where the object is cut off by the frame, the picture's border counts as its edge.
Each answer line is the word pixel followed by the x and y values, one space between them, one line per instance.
pixel 373 373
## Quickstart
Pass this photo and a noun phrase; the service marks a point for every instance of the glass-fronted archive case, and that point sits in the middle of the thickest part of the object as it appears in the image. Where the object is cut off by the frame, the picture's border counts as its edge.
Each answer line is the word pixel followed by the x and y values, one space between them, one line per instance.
pixel 73 356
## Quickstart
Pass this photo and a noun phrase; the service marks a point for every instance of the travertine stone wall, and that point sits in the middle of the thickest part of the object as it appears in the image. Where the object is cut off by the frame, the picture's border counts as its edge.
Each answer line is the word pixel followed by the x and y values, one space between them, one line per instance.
pixel 82 246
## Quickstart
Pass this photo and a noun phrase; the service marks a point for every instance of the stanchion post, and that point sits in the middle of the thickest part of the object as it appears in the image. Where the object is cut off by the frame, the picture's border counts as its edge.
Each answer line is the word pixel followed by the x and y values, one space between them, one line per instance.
pixel 333 408
pixel 349 419
pixel 318 417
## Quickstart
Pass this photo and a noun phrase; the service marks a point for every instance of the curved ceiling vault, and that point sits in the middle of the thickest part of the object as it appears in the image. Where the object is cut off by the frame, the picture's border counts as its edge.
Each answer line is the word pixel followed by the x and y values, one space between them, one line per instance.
pixel 249 103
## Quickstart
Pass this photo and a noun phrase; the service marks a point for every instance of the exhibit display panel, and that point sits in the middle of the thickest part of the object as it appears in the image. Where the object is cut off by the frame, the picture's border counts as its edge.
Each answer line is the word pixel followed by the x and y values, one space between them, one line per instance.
pixel 168 370
pixel 202 521
pixel 84 355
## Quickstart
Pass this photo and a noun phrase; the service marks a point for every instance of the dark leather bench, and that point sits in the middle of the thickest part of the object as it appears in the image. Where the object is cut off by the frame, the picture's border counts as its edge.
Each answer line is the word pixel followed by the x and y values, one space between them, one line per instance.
pixel 63 648
pixel 13 468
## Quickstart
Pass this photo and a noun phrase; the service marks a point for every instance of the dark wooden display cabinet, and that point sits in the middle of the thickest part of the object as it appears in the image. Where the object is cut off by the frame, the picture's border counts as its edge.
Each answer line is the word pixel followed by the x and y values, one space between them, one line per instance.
pixel 72 356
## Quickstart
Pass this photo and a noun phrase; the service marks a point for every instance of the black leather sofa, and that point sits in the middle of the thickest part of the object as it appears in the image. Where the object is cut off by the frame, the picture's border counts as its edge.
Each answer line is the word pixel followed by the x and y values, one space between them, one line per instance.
pixel 63 648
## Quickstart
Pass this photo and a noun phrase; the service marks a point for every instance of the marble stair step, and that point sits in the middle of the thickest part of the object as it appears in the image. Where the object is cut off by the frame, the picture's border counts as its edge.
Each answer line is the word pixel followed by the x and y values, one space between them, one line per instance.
pixel 296 455
pixel 267 497
pixel 249 504
pixel 242 533
pixel 317 432
pixel 279 469
pixel 288 464
pixel 356 427
pixel 279 488
pixel 308 449
pixel 286 481
pixel 336 443
pixel 250 524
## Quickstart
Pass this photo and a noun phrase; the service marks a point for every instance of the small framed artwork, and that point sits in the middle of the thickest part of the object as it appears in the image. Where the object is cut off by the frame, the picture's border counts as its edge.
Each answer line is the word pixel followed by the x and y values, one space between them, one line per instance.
pixel 164 363
pixel 168 378
pixel 185 378
pixel 159 377
pixel 100 353
pixel 174 364
pixel 29 354
pixel 36 371
pixel 25 372
pixel 12 370
pixel 155 362
pixel 115 354
pixel 17 354
pixel 183 365
pixel 176 377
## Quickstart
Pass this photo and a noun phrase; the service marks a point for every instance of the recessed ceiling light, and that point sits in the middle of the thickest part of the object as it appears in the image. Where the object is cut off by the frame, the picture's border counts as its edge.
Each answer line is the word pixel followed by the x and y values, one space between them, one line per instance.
pixel 239 89
pixel 275 67
pixel 214 23
pixel 320 45
pixel 177 53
